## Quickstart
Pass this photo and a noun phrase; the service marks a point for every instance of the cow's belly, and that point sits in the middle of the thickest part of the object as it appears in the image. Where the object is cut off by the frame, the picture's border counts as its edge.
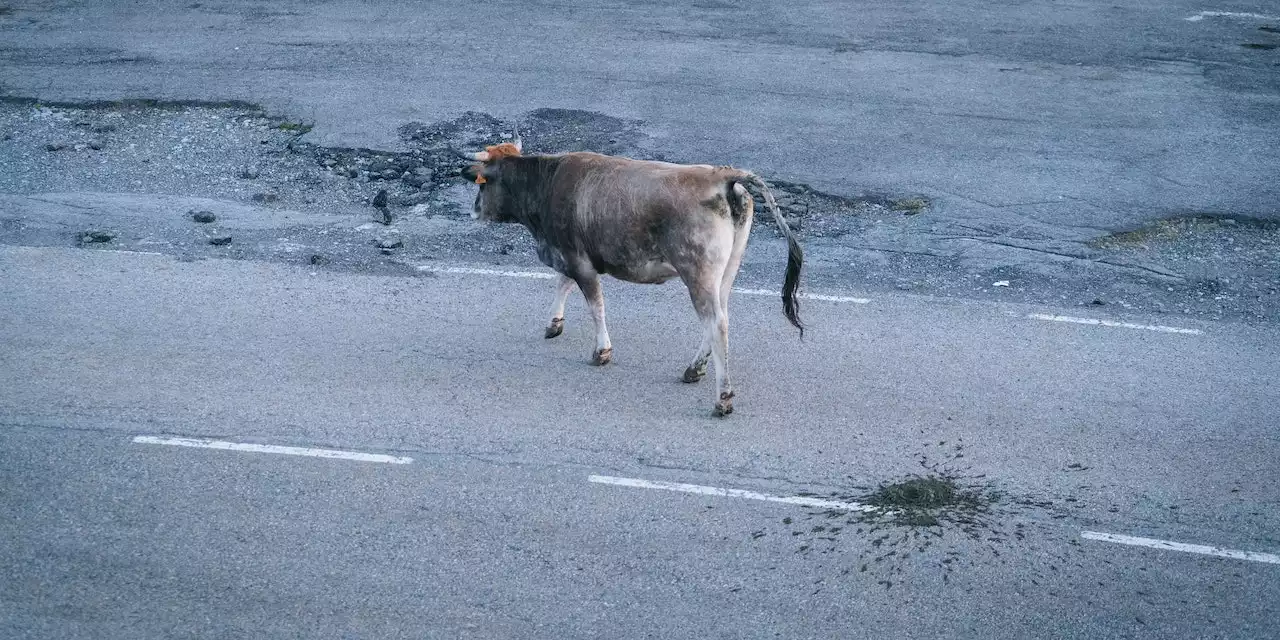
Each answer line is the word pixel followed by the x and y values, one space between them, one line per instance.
pixel 551 256
pixel 650 272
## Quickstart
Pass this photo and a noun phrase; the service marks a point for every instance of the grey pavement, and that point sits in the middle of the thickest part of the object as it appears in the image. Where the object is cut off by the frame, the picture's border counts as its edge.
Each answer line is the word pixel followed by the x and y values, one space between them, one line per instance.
pixel 1036 133
pixel 493 530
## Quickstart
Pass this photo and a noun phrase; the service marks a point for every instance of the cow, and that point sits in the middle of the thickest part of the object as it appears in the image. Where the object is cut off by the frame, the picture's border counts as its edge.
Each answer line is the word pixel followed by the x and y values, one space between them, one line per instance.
pixel 638 221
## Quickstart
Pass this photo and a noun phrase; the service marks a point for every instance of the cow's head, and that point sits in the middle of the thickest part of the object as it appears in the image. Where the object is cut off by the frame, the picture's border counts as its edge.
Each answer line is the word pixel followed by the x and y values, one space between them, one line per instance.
pixel 490 200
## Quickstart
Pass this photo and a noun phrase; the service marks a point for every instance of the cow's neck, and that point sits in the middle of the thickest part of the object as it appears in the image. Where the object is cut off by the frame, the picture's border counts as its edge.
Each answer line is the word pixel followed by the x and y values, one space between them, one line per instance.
pixel 532 179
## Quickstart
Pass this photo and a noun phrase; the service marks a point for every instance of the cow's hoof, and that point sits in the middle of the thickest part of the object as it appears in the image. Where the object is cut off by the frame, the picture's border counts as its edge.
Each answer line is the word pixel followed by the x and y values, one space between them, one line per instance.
pixel 555 328
pixel 602 357
pixel 725 406
pixel 694 374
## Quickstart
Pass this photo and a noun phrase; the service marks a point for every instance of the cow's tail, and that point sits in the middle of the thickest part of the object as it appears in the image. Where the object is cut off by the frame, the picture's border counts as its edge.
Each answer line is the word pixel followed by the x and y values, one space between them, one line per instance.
pixel 795 255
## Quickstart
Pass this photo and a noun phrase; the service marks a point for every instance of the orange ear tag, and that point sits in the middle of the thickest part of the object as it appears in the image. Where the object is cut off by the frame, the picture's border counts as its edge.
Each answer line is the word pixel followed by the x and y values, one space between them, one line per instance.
pixel 480 179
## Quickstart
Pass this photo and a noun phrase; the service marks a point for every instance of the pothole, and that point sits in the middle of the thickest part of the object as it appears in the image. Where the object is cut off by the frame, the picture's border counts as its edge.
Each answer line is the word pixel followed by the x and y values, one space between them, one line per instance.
pixel 1175 228
pixel 817 214
pixel 1222 260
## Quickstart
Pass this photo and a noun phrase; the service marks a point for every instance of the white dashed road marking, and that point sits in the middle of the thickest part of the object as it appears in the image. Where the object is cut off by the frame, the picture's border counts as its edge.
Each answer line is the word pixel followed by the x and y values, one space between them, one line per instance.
pixel 549 275
pixel 803 296
pixel 546 275
pixel 1112 323
pixel 540 275
pixel 728 493
pixel 1230 14
pixel 1167 545
pixel 205 443
pixel 127 251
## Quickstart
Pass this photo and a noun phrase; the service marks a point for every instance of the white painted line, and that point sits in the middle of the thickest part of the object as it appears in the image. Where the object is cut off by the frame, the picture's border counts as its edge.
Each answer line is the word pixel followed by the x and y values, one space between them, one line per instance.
pixel 820 296
pixel 803 296
pixel 540 275
pixel 545 275
pixel 141 253
pixel 205 443
pixel 1230 14
pixel 1166 545
pixel 1112 323
pixel 729 493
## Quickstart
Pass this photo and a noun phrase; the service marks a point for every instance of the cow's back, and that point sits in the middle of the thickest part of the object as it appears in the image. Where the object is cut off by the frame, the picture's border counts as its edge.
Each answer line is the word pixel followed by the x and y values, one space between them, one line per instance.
pixel 625 215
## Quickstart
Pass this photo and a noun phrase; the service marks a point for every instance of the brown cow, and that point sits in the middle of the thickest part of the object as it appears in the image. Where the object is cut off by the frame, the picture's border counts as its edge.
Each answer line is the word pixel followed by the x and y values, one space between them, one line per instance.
pixel 638 221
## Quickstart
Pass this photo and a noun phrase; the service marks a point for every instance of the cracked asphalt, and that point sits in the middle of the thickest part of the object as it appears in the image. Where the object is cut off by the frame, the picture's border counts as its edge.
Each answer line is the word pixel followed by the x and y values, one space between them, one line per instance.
pixel 189 246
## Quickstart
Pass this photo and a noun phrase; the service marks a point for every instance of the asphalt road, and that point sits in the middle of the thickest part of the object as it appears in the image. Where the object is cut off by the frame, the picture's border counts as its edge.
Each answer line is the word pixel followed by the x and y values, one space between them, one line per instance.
pixel 494 530
pixel 1034 131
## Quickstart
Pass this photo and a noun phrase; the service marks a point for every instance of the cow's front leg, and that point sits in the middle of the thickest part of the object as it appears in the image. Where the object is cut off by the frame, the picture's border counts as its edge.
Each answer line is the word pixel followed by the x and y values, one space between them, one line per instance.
pixel 563 288
pixel 594 294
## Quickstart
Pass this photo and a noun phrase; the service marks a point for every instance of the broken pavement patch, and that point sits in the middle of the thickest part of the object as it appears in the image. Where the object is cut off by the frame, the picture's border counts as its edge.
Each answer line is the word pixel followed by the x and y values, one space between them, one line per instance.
pixel 90 237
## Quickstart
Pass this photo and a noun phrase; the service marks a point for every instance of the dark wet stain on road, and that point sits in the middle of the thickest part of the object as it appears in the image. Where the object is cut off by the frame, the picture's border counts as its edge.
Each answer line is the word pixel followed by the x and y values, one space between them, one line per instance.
pixel 941 520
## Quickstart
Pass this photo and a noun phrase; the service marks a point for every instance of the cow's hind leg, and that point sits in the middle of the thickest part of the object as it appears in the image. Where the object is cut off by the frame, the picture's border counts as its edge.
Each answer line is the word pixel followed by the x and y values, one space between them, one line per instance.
pixel 706 299
pixel 594 294
pixel 704 290
pixel 698 368
pixel 563 288
pixel 740 236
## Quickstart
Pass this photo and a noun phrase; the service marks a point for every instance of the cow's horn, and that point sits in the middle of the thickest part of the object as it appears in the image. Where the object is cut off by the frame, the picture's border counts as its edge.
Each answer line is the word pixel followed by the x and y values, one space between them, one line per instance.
pixel 517 142
pixel 479 156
